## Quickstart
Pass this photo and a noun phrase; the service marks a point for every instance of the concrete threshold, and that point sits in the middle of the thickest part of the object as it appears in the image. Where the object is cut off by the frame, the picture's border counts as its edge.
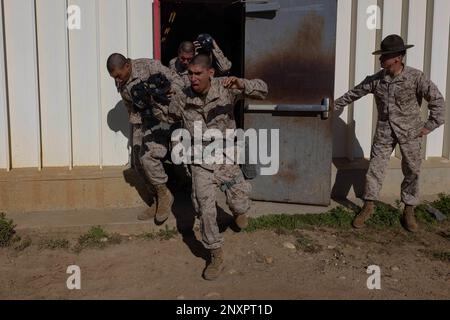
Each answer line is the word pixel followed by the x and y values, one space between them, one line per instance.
pixel 124 220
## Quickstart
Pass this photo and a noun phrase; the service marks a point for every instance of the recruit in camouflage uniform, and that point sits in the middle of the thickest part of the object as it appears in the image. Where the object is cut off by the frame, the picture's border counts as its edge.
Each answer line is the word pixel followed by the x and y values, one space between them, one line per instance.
pixel 398 99
pixel 151 140
pixel 220 62
pixel 215 111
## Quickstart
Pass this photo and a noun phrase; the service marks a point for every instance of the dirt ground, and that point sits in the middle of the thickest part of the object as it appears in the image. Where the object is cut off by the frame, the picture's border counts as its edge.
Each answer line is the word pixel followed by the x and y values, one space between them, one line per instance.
pixel 325 264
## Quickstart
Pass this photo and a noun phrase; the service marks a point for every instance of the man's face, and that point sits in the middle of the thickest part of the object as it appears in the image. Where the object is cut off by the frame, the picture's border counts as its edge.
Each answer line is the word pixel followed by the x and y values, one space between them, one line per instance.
pixel 185 59
pixel 200 78
pixel 390 61
pixel 121 75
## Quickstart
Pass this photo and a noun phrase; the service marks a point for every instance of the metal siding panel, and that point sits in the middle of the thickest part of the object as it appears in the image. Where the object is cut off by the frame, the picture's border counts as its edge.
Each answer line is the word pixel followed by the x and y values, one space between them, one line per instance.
pixel 140 28
pixel 4 130
pixel 343 53
pixel 447 100
pixel 392 24
pixel 114 117
pixel 417 28
pixel 364 66
pixel 392 13
pixel 21 59
pixel 54 82
pixel 416 33
pixel 84 87
pixel 439 58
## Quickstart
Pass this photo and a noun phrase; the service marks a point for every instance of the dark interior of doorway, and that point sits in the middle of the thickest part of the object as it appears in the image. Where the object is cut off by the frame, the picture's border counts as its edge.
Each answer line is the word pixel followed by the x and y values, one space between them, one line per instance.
pixel 224 20
pixel 185 20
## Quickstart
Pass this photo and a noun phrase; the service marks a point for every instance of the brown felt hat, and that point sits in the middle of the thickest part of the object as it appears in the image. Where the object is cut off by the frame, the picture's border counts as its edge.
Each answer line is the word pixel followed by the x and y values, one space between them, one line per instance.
pixel 392 44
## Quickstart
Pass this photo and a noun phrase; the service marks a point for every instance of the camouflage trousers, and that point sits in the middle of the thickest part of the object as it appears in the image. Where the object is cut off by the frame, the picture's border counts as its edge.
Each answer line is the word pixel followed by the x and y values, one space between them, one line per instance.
pixel 411 161
pixel 150 147
pixel 205 184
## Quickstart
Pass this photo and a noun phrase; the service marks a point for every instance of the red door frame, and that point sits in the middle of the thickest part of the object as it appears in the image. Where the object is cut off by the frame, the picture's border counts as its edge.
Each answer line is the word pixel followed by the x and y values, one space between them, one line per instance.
pixel 157 29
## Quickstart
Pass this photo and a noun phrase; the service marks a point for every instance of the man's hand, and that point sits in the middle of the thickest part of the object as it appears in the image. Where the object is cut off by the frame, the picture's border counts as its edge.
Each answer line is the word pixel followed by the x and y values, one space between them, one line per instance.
pixel 424 132
pixel 234 83
pixel 215 45
pixel 197 46
pixel 170 93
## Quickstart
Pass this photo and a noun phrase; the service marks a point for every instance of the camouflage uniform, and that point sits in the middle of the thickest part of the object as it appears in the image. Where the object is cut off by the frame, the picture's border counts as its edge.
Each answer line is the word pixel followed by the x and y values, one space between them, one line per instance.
pixel 220 63
pixel 150 141
pixel 398 101
pixel 174 65
pixel 215 111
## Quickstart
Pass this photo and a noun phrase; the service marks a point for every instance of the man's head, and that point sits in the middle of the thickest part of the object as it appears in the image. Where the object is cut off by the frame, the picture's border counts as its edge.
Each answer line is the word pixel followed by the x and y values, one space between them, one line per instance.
pixel 119 68
pixel 186 52
pixel 200 72
pixel 392 62
pixel 392 51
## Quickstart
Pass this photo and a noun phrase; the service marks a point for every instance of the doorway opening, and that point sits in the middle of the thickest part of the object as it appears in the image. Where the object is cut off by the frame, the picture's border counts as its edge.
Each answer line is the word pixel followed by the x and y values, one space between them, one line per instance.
pixel 184 20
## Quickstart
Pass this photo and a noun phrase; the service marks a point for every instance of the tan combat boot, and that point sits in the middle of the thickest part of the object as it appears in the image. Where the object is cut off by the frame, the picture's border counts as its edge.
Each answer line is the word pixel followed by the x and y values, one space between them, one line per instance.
pixel 409 219
pixel 364 215
pixel 148 214
pixel 165 202
pixel 214 268
pixel 241 221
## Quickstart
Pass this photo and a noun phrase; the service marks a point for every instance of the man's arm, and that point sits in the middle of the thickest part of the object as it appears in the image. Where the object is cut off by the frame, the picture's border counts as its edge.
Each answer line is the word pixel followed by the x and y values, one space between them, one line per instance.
pixel 243 88
pixel 222 63
pixel 364 88
pixel 436 104
pixel 128 105
pixel 176 82
pixel 132 116
pixel 173 64
pixel 171 113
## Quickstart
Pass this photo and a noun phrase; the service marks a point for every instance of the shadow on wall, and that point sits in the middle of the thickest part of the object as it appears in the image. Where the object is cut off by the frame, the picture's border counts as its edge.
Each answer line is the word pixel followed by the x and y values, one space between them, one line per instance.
pixel 348 176
pixel 118 121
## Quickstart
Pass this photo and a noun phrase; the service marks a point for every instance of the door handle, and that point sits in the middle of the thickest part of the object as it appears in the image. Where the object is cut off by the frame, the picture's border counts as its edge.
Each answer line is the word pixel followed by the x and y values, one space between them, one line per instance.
pixel 323 108
pixel 261 6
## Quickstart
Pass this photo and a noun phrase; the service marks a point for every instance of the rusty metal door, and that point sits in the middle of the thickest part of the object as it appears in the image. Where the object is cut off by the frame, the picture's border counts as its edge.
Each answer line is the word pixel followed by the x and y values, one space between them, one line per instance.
pixel 290 44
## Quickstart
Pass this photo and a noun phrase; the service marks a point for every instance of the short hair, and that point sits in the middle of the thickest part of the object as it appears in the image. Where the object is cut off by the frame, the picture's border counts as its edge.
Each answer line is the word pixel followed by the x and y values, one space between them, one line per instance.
pixel 186 47
pixel 202 60
pixel 116 61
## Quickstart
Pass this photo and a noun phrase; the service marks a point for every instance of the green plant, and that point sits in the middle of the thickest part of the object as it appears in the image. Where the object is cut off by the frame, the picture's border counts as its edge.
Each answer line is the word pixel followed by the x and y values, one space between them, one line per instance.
pixel 441 255
pixel 7 231
pixel 167 234
pixel 443 204
pixel 98 238
pixel 339 218
pixel 147 236
pixel 53 244
pixel 22 244
pixel 385 217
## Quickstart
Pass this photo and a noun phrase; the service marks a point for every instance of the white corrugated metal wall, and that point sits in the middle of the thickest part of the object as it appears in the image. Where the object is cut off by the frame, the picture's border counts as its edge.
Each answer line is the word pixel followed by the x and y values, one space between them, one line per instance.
pixel 55 94
pixel 424 23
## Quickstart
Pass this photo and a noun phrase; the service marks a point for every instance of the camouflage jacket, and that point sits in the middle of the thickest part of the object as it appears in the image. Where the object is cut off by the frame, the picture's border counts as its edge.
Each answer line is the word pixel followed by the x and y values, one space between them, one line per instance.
pixel 174 65
pixel 399 101
pixel 141 70
pixel 215 111
pixel 220 63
